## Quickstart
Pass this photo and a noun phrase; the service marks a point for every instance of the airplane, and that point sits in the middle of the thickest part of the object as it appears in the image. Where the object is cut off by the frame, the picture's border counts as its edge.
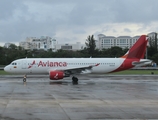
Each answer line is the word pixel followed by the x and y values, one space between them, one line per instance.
pixel 59 68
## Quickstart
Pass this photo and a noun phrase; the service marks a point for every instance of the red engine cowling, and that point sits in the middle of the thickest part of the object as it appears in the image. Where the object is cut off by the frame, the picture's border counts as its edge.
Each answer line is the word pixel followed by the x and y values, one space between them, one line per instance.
pixel 56 75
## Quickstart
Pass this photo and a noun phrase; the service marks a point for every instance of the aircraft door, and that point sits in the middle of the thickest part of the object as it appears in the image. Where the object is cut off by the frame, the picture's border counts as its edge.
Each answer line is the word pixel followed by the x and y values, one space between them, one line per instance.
pixel 24 64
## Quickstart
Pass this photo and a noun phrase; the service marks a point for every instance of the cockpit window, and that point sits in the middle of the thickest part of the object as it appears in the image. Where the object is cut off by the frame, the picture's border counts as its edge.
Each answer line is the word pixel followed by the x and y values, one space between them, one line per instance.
pixel 14 63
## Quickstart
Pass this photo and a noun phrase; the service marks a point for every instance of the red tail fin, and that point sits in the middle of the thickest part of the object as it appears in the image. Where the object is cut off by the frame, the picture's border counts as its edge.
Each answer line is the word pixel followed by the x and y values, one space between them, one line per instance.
pixel 137 51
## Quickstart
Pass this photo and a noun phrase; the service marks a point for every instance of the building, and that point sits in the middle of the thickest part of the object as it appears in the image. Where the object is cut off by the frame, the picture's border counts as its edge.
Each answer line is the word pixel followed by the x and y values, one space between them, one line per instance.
pixel 44 43
pixel 74 47
pixel 105 42
pixel 153 39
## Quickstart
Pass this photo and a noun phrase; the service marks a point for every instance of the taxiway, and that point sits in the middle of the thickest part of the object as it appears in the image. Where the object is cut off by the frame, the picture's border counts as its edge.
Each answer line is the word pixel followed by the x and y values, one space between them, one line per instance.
pixel 94 97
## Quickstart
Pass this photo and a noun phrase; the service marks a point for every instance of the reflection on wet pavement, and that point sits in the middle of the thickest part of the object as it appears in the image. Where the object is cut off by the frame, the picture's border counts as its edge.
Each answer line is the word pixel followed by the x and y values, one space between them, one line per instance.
pixel 94 97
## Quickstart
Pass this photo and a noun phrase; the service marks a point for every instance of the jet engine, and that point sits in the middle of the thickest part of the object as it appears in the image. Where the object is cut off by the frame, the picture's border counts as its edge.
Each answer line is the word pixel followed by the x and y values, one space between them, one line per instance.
pixel 56 75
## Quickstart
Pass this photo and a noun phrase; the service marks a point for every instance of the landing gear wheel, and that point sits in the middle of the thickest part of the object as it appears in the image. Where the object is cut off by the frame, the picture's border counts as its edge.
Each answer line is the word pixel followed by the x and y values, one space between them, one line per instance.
pixel 24 79
pixel 74 80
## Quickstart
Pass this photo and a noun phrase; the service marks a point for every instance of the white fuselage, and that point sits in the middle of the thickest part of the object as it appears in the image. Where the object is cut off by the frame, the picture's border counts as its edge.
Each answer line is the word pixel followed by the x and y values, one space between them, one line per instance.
pixel 44 65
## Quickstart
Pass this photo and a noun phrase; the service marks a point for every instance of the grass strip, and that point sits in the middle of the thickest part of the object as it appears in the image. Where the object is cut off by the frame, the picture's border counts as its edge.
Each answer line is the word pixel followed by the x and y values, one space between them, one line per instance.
pixel 2 72
pixel 136 72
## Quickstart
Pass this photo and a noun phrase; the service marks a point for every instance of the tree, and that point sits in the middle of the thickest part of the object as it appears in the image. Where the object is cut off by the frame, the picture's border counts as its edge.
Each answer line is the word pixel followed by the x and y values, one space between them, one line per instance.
pixel 155 58
pixel 116 51
pixel 153 41
pixel 91 45
pixel 151 51
pixel 13 46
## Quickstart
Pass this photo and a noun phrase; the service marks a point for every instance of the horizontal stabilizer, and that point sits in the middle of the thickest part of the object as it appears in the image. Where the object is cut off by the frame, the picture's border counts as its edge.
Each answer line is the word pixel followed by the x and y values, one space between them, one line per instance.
pixel 142 62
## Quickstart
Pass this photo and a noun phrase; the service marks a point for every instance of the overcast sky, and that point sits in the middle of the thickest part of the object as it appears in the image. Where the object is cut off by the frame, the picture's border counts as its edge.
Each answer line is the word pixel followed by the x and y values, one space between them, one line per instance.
pixel 71 21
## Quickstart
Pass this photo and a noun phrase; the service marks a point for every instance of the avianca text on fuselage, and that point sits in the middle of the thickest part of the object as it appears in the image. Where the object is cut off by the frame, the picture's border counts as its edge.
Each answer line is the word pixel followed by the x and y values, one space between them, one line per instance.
pixel 49 64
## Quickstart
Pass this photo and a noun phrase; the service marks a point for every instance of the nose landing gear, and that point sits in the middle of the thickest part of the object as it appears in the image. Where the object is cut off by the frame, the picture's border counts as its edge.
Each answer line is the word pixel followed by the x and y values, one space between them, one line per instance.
pixel 24 79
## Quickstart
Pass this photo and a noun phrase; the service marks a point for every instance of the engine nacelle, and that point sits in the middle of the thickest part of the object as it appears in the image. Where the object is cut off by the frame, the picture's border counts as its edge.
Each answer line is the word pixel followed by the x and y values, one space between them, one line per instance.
pixel 56 75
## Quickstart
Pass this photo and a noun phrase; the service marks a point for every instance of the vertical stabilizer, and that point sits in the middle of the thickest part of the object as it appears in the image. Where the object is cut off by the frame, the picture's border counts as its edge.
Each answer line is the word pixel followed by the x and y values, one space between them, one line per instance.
pixel 137 51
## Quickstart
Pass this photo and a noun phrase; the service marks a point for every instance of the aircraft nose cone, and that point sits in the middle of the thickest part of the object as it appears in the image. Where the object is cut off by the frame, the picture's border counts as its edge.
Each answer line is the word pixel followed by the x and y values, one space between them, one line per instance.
pixel 6 68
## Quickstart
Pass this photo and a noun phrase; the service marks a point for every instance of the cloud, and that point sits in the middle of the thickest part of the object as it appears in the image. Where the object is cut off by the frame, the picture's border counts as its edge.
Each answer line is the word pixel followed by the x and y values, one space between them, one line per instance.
pixel 127 30
pixel 73 20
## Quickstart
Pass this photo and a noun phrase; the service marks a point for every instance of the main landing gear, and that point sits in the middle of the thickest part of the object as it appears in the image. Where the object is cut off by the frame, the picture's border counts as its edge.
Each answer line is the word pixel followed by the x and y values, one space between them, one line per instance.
pixel 24 79
pixel 74 80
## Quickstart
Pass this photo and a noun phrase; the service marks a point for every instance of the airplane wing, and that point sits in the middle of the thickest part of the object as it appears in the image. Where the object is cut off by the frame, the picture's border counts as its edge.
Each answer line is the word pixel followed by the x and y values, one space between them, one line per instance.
pixel 78 70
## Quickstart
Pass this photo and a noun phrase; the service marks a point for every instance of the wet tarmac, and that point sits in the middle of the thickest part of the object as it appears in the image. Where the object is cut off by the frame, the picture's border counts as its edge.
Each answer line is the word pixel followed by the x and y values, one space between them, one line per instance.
pixel 94 97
